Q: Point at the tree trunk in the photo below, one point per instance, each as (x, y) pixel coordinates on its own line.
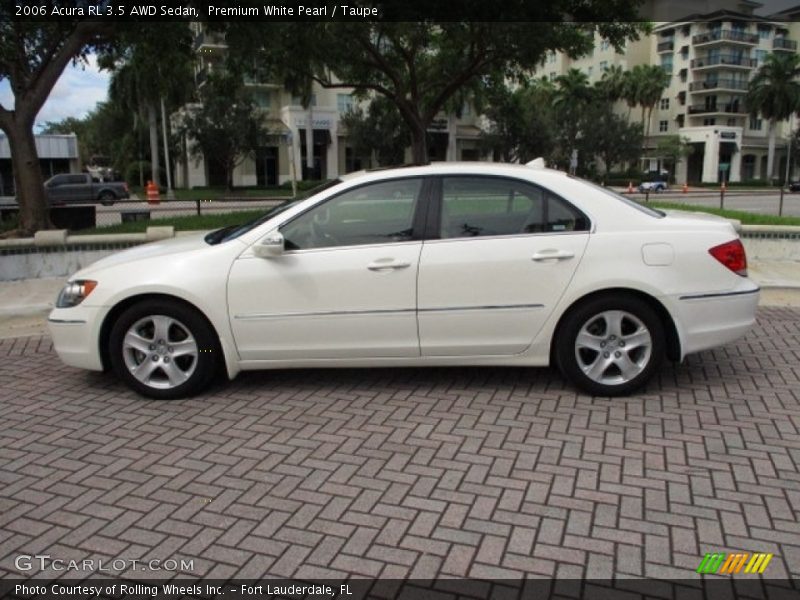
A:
(152, 118)
(33, 211)
(419, 144)
(771, 152)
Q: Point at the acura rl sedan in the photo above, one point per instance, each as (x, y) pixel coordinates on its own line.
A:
(446, 264)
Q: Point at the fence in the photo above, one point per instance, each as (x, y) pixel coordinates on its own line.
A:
(770, 201)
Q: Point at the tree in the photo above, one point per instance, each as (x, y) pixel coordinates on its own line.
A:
(774, 93)
(377, 131)
(150, 65)
(609, 136)
(612, 84)
(674, 148)
(419, 66)
(227, 127)
(33, 55)
(647, 85)
(521, 121)
(573, 95)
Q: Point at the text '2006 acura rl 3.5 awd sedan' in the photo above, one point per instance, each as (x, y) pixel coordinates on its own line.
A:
(447, 264)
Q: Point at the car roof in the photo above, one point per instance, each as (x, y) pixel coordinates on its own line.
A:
(456, 168)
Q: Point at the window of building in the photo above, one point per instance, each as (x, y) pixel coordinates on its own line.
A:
(666, 62)
(261, 98)
(760, 56)
(764, 31)
(344, 103)
(551, 57)
(589, 71)
(605, 45)
(604, 65)
(755, 124)
(663, 125)
(298, 100)
(664, 104)
(711, 121)
(552, 75)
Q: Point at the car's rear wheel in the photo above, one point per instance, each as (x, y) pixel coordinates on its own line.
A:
(164, 349)
(610, 346)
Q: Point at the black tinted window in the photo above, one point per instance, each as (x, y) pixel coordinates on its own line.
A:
(486, 206)
(376, 213)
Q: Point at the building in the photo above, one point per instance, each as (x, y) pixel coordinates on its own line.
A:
(57, 154)
(284, 155)
(711, 57)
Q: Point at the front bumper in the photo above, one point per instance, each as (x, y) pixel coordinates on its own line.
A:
(711, 320)
(76, 334)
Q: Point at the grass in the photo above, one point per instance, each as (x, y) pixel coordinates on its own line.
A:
(189, 223)
(747, 218)
(215, 193)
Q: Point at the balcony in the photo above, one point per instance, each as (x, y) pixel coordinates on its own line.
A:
(725, 35)
(667, 46)
(729, 60)
(782, 44)
(206, 38)
(730, 109)
(718, 84)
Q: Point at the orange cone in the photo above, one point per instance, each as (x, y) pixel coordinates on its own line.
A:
(723, 187)
(685, 188)
(630, 187)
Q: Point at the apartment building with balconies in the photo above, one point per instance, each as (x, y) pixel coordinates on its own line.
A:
(711, 58)
(284, 155)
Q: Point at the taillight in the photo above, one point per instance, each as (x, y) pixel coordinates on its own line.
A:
(731, 254)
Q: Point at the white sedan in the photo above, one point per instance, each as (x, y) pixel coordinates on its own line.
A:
(448, 264)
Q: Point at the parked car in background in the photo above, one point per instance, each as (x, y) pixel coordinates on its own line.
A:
(794, 186)
(656, 186)
(83, 188)
(446, 264)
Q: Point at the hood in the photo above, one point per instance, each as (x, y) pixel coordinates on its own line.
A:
(168, 247)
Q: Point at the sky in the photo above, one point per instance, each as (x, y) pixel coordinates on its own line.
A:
(81, 87)
(77, 92)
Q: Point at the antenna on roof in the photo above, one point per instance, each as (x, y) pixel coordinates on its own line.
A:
(536, 163)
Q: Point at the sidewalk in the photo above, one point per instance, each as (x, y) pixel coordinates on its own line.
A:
(24, 304)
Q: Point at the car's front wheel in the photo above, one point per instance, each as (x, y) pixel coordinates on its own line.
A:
(164, 349)
(107, 199)
(610, 346)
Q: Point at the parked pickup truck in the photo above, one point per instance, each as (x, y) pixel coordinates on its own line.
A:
(82, 188)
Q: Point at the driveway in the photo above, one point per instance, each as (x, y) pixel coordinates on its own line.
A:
(483, 472)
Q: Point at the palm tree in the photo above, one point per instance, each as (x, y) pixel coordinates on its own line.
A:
(652, 80)
(774, 93)
(612, 84)
(153, 66)
(572, 94)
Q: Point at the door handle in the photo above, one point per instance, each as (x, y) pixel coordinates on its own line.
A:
(387, 264)
(552, 254)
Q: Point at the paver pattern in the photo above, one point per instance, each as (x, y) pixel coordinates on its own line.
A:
(476, 472)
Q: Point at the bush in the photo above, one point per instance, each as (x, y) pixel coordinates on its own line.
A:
(132, 172)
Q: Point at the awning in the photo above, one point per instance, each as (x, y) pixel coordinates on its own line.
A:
(468, 131)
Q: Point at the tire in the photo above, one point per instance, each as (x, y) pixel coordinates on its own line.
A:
(622, 363)
(107, 198)
(185, 363)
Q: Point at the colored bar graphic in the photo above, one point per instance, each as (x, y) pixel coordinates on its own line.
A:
(731, 563)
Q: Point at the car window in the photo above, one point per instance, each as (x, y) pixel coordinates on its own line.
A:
(483, 206)
(376, 213)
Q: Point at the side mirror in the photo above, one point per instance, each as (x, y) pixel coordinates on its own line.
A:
(270, 246)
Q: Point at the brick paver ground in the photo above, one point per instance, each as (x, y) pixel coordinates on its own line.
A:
(409, 472)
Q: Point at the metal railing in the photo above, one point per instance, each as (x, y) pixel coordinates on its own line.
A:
(722, 83)
(699, 109)
(731, 60)
(726, 35)
(668, 46)
(783, 44)
(769, 201)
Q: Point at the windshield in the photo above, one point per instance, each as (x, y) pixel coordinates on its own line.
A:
(641, 207)
(233, 231)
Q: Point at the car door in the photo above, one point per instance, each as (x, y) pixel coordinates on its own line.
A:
(346, 284)
(505, 252)
(58, 189)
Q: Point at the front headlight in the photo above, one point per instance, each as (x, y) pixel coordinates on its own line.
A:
(75, 292)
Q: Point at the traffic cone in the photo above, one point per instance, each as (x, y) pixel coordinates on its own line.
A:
(723, 187)
(630, 187)
(685, 188)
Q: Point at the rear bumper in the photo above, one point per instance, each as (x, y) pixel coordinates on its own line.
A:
(711, 320)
